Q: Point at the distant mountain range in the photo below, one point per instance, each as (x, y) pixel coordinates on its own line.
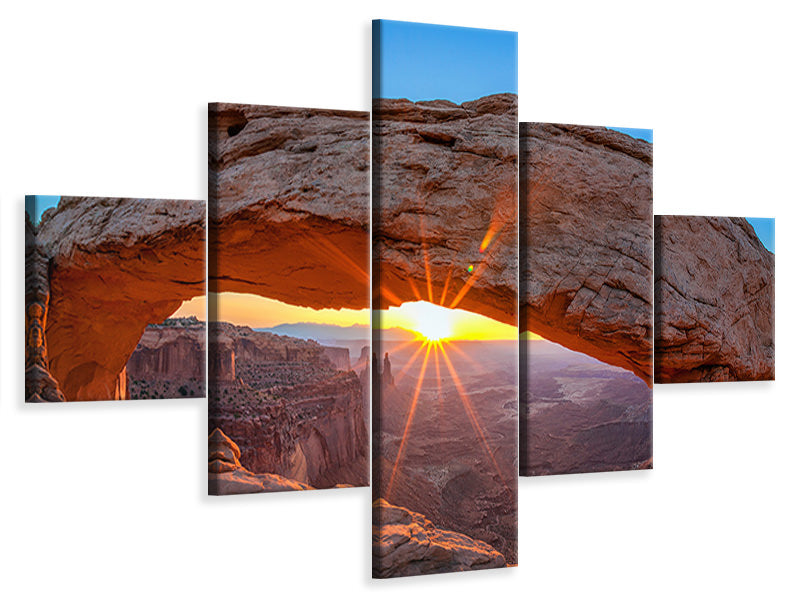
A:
(324, 332)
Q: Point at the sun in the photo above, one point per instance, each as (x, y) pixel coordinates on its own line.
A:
(431, 321)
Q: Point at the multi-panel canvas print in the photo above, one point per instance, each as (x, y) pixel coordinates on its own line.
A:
(444, 282)
(109, 284)
(586, 299)
(714, 299)
(288, 298)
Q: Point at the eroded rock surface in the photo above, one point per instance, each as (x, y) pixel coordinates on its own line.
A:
(40, 386)
(587, 242)
(289, 204)
(715, 301)
(446, 198)
(169, 360)
(116, 264)
(406, 543)
(226, 475)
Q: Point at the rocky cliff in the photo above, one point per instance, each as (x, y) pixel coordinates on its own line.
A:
(587, 242)
(406, 543)
(338, 357)
(445, 194)
(289, 409)
(715, 301)
(226, 475)
(169, 360)
(115, 265)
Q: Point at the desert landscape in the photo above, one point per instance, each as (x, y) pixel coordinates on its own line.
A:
(295, 408)
(288, 239)
(98, 272)
(715, 300)
(586, 299)
(444, 269)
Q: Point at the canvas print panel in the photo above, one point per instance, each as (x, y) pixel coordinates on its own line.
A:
(108, 283)
(715, 299)
(445, 298)
(586, 299)
(288, 298)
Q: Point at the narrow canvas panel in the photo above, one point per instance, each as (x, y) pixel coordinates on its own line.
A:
(715, 299)
(288, 298)
(108, 282)
(445, 359)
(586, 298)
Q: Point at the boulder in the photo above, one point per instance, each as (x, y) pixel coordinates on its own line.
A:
(227, 476)
(406, 543)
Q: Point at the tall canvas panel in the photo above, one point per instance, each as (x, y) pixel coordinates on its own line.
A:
(715, 299)
(288, 299)
(109, 289)
(586, 316)
(444, 282)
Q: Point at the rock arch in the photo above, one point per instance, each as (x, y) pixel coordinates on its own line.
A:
(301, 236)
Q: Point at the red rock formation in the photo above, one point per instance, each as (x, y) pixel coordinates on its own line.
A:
(227, 476)
(115, 265)
(406, 543)
(339, 357)
(587, 242)
(446, 181)
(169, 360)
(289, 204)
(715, 301)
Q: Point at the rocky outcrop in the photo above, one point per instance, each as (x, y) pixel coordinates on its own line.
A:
(40, 386)
(587, 242)
(115, 265)
(715, 301)
(174, 349)
(227, 476)
(338, 357)
(386, 375)
(289, 204)
(445, 194)
(169, 360)
(406, 543)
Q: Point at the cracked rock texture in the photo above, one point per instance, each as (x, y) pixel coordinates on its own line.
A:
(587, 242)
(289, 204)
(715, 301)
(115, 265)
(445, 183)
(406, 543)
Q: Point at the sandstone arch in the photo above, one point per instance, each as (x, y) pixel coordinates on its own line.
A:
(297, 237)
(115, 265)
(445, 176)
(587, 272)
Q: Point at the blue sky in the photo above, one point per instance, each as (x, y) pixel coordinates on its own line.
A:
(36, 205)
(434, 62)
(765, 230)
(640, 134)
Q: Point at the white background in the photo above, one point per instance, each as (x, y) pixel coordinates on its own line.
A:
(108, 500)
